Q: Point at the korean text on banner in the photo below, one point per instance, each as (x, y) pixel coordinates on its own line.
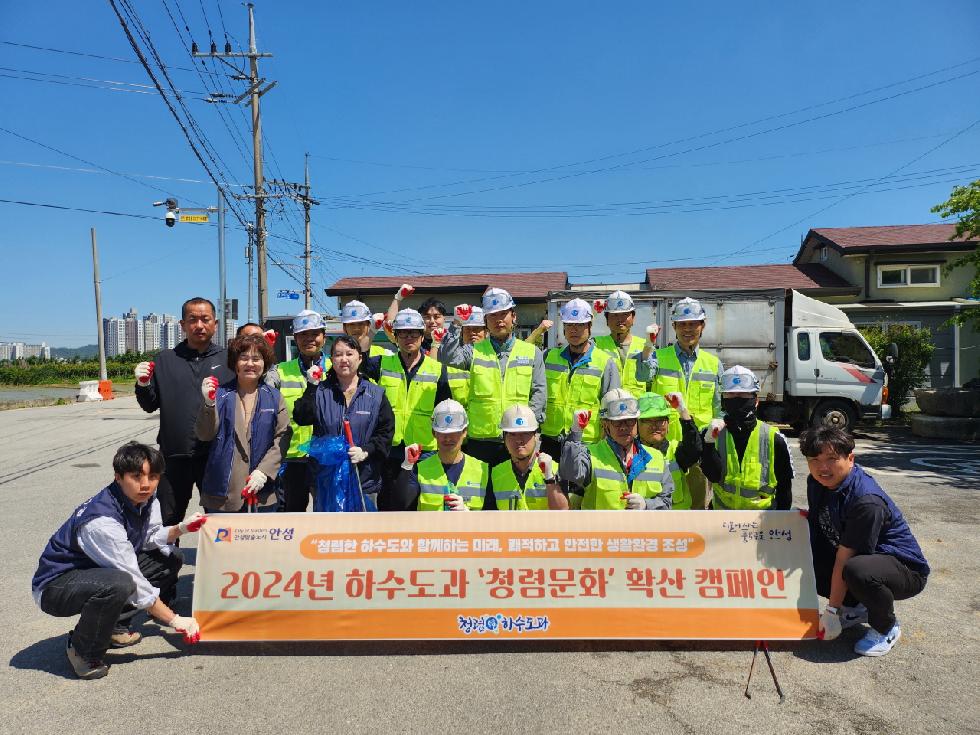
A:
(584, 574)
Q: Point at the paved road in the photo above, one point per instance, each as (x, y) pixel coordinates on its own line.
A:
(53, 458)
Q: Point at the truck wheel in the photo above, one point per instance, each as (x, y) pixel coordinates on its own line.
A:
(836, 413)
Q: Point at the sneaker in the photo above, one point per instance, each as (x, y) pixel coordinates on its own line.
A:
(876, 644)
(125, 638)
(85, 668)
(851, 616)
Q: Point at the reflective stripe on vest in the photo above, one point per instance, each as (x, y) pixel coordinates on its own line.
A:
(507, 490)
(698, 392)
(627, 367)
(751, 483)
(292, 387)
(412, 403)
(472, 484)
(489, 394)
(608, 483)
(570, 390)
(459, 384)
(681, 499)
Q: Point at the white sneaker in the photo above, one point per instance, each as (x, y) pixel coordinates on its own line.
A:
(876, 644)
(851, 616)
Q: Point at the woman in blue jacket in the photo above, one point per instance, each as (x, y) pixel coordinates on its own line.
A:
(344, 394)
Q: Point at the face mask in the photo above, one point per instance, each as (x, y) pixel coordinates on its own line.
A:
(739, 411)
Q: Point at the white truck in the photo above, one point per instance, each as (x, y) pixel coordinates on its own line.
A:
(814, 365)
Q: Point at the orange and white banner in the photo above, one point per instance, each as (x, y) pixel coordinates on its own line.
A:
(580, 574)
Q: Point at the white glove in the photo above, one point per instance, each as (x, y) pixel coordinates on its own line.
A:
(652, 331)
(187, 626)
(830, 626)
(377, 321)
(438, 335)
(713, 430)
(192, 524)
(455, 502)
(635, 502)
(403, 291)
(253, 483)
(547, 466)
(580, 420)
(599, 306)
(462, 313)
(357, 455)
(412, 454)
(143, 373)
(676, 401)
(315, 374)
(209, 388)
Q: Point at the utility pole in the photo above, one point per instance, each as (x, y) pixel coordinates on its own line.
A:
(222, 290)
(257, 87)
(301, 194)
(250, 228)
(103, 375)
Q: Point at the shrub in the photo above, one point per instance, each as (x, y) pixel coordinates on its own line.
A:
(915, 350)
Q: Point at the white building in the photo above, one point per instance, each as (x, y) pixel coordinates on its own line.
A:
(114, 334)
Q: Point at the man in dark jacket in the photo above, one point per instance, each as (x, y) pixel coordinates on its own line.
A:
(173, 384)
(864, 554)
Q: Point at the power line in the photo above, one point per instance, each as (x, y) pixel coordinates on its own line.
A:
(81, 53)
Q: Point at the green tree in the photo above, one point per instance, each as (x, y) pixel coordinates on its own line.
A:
(915, 349)
(964, 203)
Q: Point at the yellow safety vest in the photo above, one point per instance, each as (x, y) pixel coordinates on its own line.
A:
(412, 403)
(459, 384)
(608, 483)
(472, 484)
(292, 386)
(627, 367)
(508, 493)
(490, 395)
(681, 499)
(699, 392)
(569, 391)
(751, 483)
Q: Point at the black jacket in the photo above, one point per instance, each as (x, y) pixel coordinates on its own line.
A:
(712, 469)
(175, 389)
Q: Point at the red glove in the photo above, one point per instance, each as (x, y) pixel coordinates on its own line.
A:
(599, 306)
(438, 334)
(271, 335)
(144, 372)
(315, 374)
(804, 512)
(582, 418)
(714, 430)
(464, 312)
(377, 320)
(405, 290)
(209, 388)
(412, 454)
(193, 523)
(652, 331)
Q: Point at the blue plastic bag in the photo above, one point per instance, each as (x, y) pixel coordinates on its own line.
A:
(337, 487)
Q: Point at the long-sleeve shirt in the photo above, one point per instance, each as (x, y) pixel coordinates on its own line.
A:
(371, 368)
(104, 541)
(610, 373)
(646, 371)
(575, 468)
(712, 468)
(458, 355)
(688, 452)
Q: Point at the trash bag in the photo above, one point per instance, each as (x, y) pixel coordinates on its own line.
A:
(337, 486)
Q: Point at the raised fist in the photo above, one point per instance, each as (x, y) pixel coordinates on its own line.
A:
(143, 373)
(209, 388)
(377, 321)
(547, 465)
(599, 306)
(463, 312)
(405, 290)
(315, 374)
(652, 331)
(412, 454)
(676, 401)
(270, 336)
(438, 334)
(713, 430)
(582, 418)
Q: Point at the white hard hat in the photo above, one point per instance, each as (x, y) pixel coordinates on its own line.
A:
(619, 404)
(307, 321)
(475, 319)
(408, 319)
(619, 302)
(576, 311)
(449, 416)
(496, 299)
(687, 310)
(518, 418)
(738, 379)
(355, 311)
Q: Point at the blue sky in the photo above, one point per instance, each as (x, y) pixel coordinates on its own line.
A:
(449, 136)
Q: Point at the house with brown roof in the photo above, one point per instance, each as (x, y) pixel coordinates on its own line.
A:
(897, 273)
(530, 291)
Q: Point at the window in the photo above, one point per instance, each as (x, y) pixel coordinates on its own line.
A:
(844, 347)
(823, 253)
(803, 346)
(901, 276)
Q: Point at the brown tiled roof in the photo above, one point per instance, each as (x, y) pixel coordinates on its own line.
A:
(859, 239)
(805, 277)
(520, 285)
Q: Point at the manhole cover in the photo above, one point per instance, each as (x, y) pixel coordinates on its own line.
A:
(86, 464)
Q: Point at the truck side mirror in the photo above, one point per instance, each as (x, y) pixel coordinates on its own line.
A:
(891, 354)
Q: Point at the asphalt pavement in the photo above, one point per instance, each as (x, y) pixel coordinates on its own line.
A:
(53, 458)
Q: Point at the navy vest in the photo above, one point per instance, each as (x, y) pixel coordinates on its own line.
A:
(62, 553)
(217, 472)
(363, 416)
(896, 537)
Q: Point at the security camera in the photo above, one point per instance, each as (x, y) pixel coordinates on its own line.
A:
(170, 218)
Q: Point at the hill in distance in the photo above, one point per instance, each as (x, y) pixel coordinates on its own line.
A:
(84, 352)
